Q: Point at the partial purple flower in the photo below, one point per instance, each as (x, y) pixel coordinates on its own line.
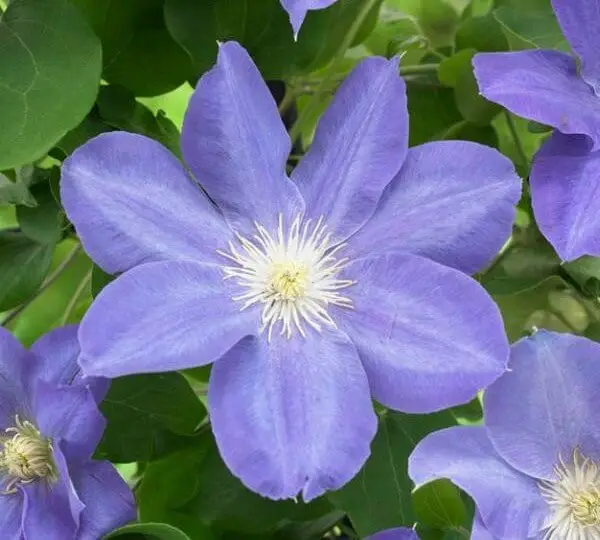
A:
(49, 486)
(534, 469)
(310, 294)
(400, 533)
(297, 10)
(548, 87)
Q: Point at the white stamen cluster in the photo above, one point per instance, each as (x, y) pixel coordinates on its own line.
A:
(574, 500)
(293, 274)
(25, 456)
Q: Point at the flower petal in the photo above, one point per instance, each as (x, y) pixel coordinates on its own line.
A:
(292, 415)
(580, 21)
(565, 181)
(69, 414)
(546, 405)
(479, 531)
(453, 202)
(236, 145)
(162, 317)
(297, 10)
(543, 86)
(11, 516)
(400, 533)
(508, 502)
(58, 352)
(15, 363)
(51, 511)
(360, 144)
(132, 202)
(108, 501)
(429, 336)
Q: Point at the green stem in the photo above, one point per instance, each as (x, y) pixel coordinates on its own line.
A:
(49, 281)
(513, 132)
(75, 298)
(339, 56)
(287, 101)
(419, 69)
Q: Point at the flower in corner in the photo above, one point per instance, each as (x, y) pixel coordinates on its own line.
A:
(297, 10)
(49, 486)
(309, 293)
(533, 469)
(547, 86)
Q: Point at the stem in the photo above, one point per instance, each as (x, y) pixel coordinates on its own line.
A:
(419, 69)
(339, 55)
(49, 281)
(287, 101)
(75, 298)
(513, 132)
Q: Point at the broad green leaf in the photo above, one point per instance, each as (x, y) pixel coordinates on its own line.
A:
(150, 531)
(397, 33)
(138, 50)
(148, 415)
(379, 497)
(15, 192)
(45, 222)
(439, 20)
(483, 34)
(23, 266)
(439, 505)
(530, 24)
(50, 62)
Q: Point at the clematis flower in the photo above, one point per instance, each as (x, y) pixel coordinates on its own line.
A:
(400, 533)
(547, 86)
(49, 486)
(533, 470)
(310, 293)
(297, 10)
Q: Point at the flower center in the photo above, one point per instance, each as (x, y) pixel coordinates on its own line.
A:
(574, 500)
(25, 455)
(293, 274)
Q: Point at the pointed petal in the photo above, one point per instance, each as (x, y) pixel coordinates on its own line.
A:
(508, 502)
(453, 202)
(297, 10)
(108, 500)
(400, 533)
(132, 202)
(236, 145)
(360, 144)
(545, 406)
(292, 415)
(543, 86)
(565, 181)
(11, 510)
(429, 336)
(162, 317)
(580, 21)
(15, 365)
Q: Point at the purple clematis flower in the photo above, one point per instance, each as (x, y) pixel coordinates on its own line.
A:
(534, 469)
(297, 10)
(310, 293)
(547, 86)
(49, 486)
(400, 533)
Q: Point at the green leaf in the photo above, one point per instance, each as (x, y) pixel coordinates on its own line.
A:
(45, 222)
(483, 34)
(439, 20)
(379, 497)
(138, 50)
(50, 62)
(146, 414)
(149, 531)
(530, 24)
(118, 108)
(16, 192)
(439, 505)
(23, 266)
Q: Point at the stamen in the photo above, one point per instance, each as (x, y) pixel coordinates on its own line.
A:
(293, 274)
(25, 456)
(574, 500)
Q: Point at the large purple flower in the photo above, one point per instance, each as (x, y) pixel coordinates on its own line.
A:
(547, 86)
(534, 469)
(311, 293)
(49, 486)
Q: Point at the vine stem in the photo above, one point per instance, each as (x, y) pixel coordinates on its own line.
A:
(339, 56)
(75, 298)
(49, 281)
(513, 133)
